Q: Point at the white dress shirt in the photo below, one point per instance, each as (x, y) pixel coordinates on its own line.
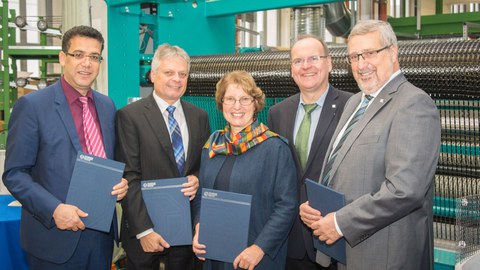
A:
(180, 117)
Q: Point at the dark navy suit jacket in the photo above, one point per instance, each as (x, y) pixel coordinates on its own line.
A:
(267, 172)
(41, 150)
(281, 119)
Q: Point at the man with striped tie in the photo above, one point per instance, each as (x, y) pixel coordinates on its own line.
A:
(46, 130)
(159, 136)
(382, 157)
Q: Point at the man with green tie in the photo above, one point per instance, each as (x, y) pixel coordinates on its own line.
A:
(308, 120)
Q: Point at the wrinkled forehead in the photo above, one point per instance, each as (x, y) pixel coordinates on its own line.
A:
(364, 42)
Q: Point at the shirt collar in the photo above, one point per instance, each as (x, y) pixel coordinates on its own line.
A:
(320, 101)
(71, 94)
(163, 105)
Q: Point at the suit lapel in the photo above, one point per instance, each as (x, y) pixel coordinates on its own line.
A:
(325, 120)
(192, 126)
(290, 115)
(63, 110)
(382, 99)
(213, 167)
(157, 124)
(347, 112)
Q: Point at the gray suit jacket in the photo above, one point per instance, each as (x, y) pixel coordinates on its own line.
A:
(144, 145)
(281, 119)
(386, 169)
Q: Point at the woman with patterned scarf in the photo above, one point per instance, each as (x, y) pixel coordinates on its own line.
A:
(246, 157)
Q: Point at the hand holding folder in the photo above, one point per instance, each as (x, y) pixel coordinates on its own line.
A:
(326, 200)
(169, 209)
(224, 224)
(90, 189)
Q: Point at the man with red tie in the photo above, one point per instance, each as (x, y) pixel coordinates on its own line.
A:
(46, 130)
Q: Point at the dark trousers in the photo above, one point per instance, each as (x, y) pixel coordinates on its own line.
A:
(174, 258)
(306, 264)
(94, 252)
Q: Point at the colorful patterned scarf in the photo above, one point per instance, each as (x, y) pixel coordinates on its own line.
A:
(220, 142)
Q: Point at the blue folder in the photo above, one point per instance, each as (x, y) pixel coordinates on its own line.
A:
(169, 209)
(90, 189)
(326, 200)
(224, 224)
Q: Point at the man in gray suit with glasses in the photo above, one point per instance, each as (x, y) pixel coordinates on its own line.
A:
(383, 157)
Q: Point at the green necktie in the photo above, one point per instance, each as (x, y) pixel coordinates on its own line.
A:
(301, 141)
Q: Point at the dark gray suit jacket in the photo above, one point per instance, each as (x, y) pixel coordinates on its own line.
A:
(281, 119)
(144, 145)
(386, 168)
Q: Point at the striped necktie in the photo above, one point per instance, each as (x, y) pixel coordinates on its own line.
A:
(177, 142)
(93, 137)
(358, 114)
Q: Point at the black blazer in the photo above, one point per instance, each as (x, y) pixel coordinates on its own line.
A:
(143, 143)
(281, 119)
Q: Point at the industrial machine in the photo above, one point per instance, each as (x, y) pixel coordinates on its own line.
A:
(446, 68)
(442, 57)
(13, 83)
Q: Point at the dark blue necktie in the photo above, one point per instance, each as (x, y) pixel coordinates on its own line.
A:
(177, 142)
(358, 114)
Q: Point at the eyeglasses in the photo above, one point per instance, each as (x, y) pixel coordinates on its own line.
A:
(244, 101)
(355, 57)
(81, 56)
(314, 59)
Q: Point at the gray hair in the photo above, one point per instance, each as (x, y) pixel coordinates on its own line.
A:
(387, 35)
(166, 51)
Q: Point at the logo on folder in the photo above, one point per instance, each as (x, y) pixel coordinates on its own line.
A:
(210, 194)
(86, 158)
(149, 184)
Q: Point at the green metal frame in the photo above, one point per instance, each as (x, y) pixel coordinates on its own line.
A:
(435, 25)
(444, 259)
(229, 7)
(11, 53)
(203, 28)
(438, 7)
(5, 98)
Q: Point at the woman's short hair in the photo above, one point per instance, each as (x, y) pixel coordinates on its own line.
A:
(246, 82)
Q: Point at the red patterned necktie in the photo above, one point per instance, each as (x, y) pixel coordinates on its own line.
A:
(93, 138)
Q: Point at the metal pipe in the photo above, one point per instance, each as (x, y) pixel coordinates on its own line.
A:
(418, 13)
(443, 68)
